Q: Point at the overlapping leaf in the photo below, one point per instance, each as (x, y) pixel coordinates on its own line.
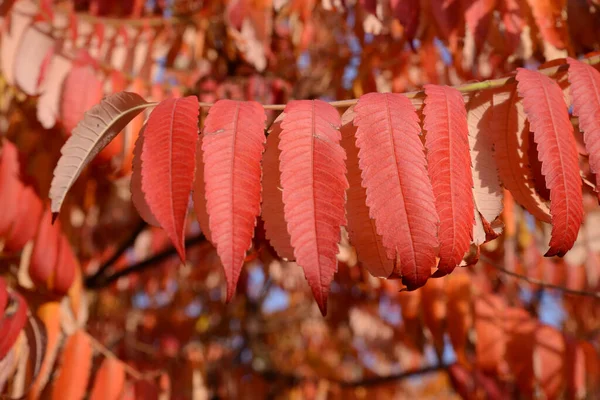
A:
(232, 145)
(549, 120)
(478, 14)
(93, 133)
(199, 194)
(487, 192)
(449, 164)
(12, 321)
(49, 314)
(82, 89)
(585, 91)
(169, 159)
(511, 146)
(361, 227)
(314, 184)
(138, 198)
(272, 201)
(399, 195)
(10, 184)
(26, 218)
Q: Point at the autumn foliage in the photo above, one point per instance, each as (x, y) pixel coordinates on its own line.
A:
(442, 212)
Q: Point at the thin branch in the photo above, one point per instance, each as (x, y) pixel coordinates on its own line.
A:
(117, 254)
(134, 373)
(144, 264)
(538, 282)
(293, 380)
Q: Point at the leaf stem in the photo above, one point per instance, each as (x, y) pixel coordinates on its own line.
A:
(539, 282)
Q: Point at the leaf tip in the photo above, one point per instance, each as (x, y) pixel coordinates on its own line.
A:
(323, 306)
(553, 251)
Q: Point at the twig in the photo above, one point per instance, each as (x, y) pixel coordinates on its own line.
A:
(117, 254)
(292, 380)
(538, 282)
(144, 264)
(134, 373)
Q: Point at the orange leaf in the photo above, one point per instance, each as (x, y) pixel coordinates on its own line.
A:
(458, 293)
(74, 372)
(110, 380)
(49, 313)
(489, 330)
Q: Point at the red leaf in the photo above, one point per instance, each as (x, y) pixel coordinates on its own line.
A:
(449, 163)
(511, 146)
(137, 195)
(585, 92)
(27, 219)
(74, 372)
(64, 271)
(199, 195)
(272, 201)
(314, 185)
(399, 194)
(408, 13)
(169, 158)
(232, 146)
(478, 14)
(110, 380)
(361, 227)
(45, 250)
(81, 91)
(10, 184)
(447, 14)
(548, 17)
(512, 18)
(3, 297)
(44, 68)
(12, 322)
(549, 120)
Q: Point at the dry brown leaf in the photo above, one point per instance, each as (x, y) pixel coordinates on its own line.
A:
(74, 373)
(99, 126)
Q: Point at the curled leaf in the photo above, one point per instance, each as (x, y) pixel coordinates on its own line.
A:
(99, 126)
